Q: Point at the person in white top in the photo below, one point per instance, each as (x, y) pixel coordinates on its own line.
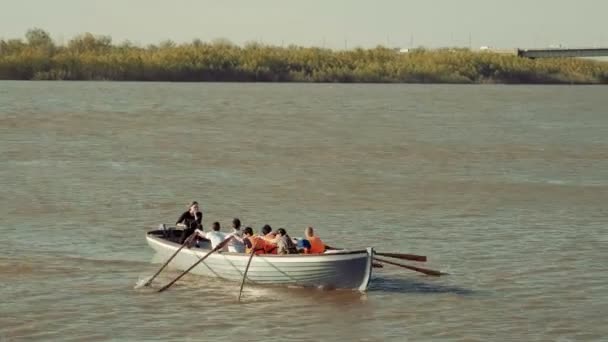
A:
(236, 244)
(215, 236)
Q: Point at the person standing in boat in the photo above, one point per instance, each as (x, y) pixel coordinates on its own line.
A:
(191, 219)
(236, 244)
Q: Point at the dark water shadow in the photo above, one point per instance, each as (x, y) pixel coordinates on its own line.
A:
(408, 285)
(226, 291)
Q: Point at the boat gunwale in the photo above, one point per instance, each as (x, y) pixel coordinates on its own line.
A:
(166, 242)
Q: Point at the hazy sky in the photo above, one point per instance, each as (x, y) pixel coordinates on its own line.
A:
(366, 23)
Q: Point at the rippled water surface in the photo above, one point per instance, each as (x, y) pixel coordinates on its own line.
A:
(504, 187)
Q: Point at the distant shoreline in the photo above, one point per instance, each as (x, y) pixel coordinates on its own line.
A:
(95, 58)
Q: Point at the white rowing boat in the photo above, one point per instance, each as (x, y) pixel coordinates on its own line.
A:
(341, 270)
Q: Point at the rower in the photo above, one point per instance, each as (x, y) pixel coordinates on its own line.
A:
(236, 244)
(215, 236)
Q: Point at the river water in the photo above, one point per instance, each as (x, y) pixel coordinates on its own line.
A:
(503, 187)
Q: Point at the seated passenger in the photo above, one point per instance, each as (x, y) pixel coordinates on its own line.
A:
(303, 246)
(251, 241)
(268, 234)
(284, 243)
(270, 238)
(316, 244)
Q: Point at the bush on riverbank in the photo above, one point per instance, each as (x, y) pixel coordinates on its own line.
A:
(89, 57)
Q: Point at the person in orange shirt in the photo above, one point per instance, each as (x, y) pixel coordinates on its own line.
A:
(270, 238)
(255, 242)
(316, 244)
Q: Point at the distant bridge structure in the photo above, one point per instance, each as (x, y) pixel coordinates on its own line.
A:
(562, 52)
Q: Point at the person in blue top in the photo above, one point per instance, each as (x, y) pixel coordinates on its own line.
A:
(303, 245)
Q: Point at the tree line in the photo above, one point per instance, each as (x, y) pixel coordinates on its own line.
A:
(92, 57)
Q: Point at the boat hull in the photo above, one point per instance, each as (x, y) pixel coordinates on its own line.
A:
(343, 270)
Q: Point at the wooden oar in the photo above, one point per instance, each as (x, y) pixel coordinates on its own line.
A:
(186, 242)
(412, 257)
(413, 268)
(245, 274)
(218, 247)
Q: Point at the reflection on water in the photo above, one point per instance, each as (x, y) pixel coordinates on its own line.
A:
(502, 187)
(410, 285)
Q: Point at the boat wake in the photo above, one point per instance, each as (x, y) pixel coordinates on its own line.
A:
(141, 282)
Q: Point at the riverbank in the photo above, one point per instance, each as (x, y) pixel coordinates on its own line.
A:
(90, 57)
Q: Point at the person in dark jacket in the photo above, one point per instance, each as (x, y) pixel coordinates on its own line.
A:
(190, 220)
